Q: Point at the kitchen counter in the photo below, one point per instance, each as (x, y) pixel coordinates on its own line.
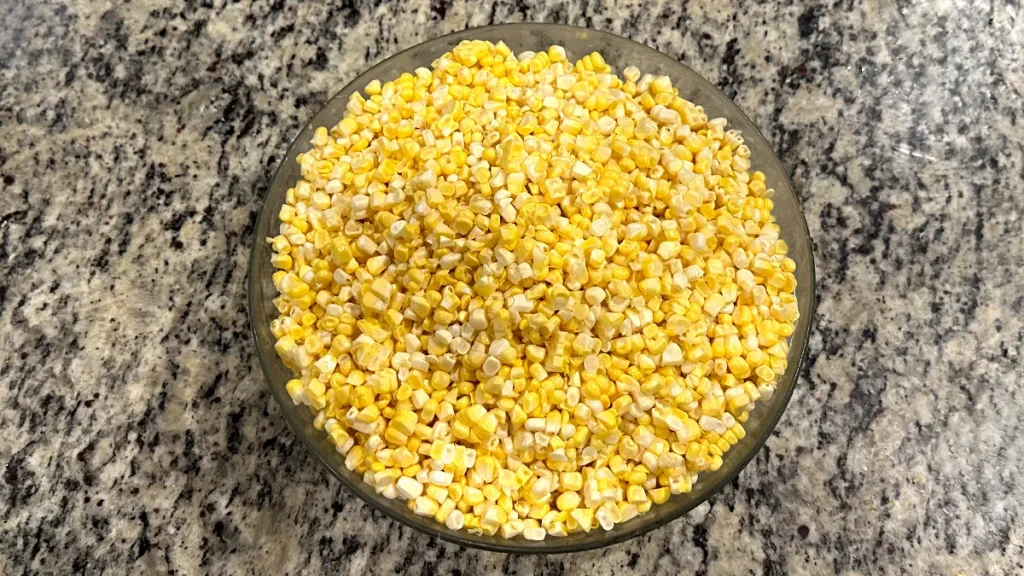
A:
(138, 436)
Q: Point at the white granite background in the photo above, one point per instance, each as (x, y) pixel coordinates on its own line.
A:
(137, 435)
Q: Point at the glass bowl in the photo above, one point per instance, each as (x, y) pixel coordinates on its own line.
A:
(619, 53)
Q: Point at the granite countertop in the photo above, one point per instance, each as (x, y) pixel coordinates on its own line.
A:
(137, 435)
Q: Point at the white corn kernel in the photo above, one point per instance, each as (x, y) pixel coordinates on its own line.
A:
(408, 488)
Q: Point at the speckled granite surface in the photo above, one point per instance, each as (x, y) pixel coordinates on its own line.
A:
(137, 436)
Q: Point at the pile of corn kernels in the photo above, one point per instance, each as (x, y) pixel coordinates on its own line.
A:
(527, 296)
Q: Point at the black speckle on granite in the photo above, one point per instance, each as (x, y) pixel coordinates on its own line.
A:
(700, 540)
(807, 22)
(138, 436)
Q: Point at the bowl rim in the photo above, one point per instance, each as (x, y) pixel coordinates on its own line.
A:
(496, 544)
